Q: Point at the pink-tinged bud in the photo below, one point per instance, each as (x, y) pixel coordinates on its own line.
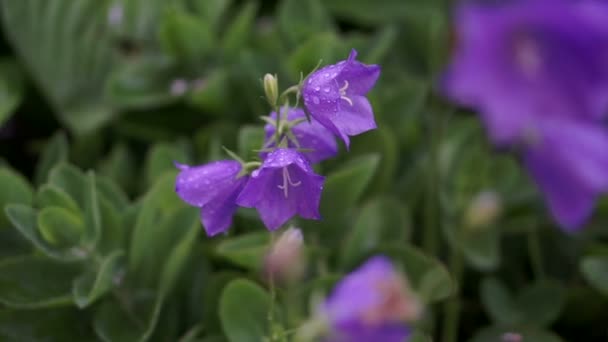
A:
(512, 337)
(397, 302)
(285, 261)
(483, 210)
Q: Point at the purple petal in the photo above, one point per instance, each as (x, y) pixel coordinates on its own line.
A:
(360, 77)
(216, 215)
(570, 166)
(199, 185)
(353, 119)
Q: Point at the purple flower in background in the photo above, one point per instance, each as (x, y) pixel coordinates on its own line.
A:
(371, 304)
(310, 135)
(527, 61)
(214, 188)
(335, 96)
(569, 162)
(285, 185)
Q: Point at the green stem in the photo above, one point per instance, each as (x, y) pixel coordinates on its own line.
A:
(430, 238)
(273, 294)
(535, 252)
(453, 307)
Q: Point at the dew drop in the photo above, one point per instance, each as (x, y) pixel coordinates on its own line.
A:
(315, 100)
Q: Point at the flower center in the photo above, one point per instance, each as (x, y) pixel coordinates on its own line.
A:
(343, 93)
(287, 182)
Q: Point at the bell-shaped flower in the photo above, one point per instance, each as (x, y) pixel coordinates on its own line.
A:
(213, 187)
(373, 303)
(569, 162)
(335, 96)
(316, 141)
(523, 62)
(285, 185)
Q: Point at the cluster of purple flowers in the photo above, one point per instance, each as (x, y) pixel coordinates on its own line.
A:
(537, 72)
(284, 184)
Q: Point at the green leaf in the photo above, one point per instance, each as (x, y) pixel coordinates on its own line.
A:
(92, 211)
(160, 159)
(378, 12)
(320, 47)
(24, 218)
(67, 48)
(499, 302)
(55, 152)
(239, 30)
(383, 219)
(525, 333)
(246, 325)
(61, 228)
(94, 283)
(52, 196)
(54, 324)
(212, 94)
(298, 20)
(251, 139)
(419, 336)
(595, 271)
(211, 11)
(11, 88)
(35, 282)
(481, 247)
(71, 180)
(246, 250)
(15, 189)
(120, 166)
(186, 36)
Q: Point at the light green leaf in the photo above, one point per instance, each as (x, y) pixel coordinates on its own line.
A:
(250, 325)
(298, 20)
(71, 180)
(246, 250)
(35, 282)
(60, 227)
(14, 189)
(250, 140)
(94, 283)
(52, 196)
(54, 153)
(11, 88)
(186, 37)
(240, 29)
(595, 271)
(160, 159)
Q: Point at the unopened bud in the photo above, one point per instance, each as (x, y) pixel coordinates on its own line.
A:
(285, 260)
(271, 88)
(483, 210)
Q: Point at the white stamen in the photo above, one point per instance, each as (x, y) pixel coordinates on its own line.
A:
(343, 93)
(287, 182)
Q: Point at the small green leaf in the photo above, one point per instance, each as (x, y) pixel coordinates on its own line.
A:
(94, 283)
(251, 139)
(298, 20)
(11, 88)
(246, 250)
(499, 302)
(244, 325)
(211, 11)
(212, 93)
(15, 189)
(71, 180)
(595, 271)
(186, 36)
(320, 47)
(54, 153)
(35, 282)
(61, 228)
(240, 29)
(52, 196)
(160, 159)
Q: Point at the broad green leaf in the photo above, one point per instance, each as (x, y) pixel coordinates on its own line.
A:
(320, 47)
(160, 159)
(244, 325)
(246, 250)
(178, 256)
(35, 282)
(595, 271)
(54, 324)
(71, 180)
(211, 11)
(52, 196)
(499, 302)
(250, 141)
(66, 47)
(523, 333)
(111, 192)
(481, 247)
(92, 212)
(11, 88)
(240, 29)
(120, 166)
(299, 20)
(186, 37)
(380, 45)
(212, 94)
(380, 220)
(94, 283)
(54, 153)
(24, 219)
(60, 227)
(15, 189)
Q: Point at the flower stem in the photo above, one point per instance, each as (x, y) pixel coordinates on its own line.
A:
(273, 295)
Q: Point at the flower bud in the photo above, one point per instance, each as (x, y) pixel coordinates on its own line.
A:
(285, 260)
(271, 88)
(483, 210)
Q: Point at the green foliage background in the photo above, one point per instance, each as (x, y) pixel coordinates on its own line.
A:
(99, 97)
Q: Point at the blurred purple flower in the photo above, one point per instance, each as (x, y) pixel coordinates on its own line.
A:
(283, 186)
(529, 61)
(569, 162)
(371, 304)
(310, 135)
(214, 188)
(335, 96)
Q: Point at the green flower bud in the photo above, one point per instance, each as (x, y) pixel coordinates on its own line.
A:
(271, 88)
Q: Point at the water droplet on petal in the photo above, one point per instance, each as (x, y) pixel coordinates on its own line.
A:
(315, 100)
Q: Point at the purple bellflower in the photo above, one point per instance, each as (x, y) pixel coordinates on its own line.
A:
(371, 304)
(310, 135)
(285, 185)
(335, 96)
(537, 72)
(213, 187)
(529, 61)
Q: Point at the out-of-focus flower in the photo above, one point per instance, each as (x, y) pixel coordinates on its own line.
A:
(115, 14)
(214, 188)
(335, 96)
(317, 141)
(373, 303)
(285, 259)
(528, 61)
(484, 208)
(569, 162)
(285, 185)
(179, 87)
